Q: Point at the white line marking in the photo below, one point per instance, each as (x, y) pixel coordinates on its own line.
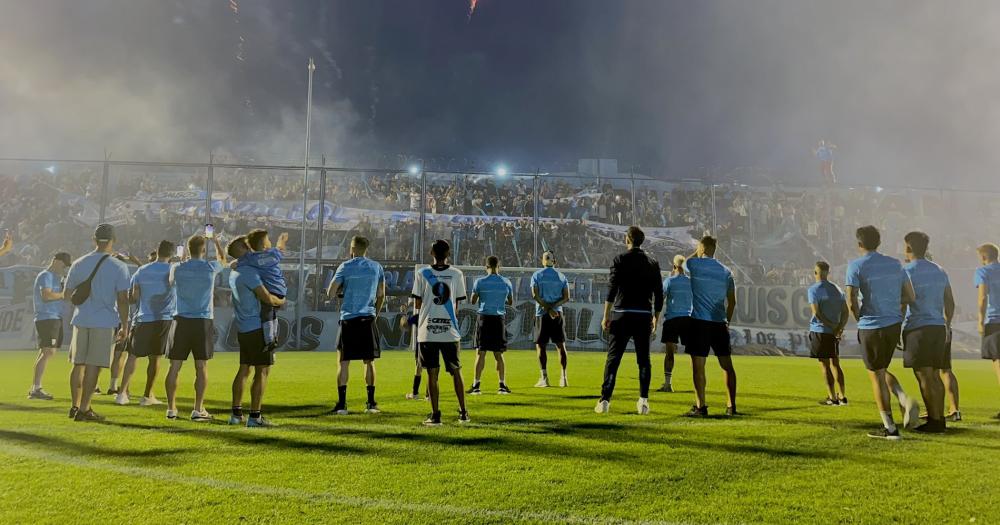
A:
(283, 492)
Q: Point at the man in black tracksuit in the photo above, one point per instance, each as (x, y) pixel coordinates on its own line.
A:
(635, 298)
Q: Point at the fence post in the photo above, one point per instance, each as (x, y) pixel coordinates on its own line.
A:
(209, 184)
(534, 214)
(105, 175)
(423, 216)
(317, 289)
(715, 217)
(635, 214)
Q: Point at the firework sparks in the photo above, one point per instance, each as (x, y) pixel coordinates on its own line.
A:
(472, 7)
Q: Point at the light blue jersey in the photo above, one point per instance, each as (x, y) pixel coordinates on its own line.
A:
(157, 300)
(359, 279)
(194, 281)
(929, 284)
(990, 276)
(100, 310)
(829, 300)
(677, 296)
(711, 283)
(550, 283)
(879, 279)
(246, 307)
(46, 310)
(493, 291)
(268, 266)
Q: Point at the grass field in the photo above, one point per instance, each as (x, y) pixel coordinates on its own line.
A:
(536, 456)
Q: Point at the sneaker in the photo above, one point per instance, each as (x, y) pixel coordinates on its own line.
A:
(642, 406)
(111, 392)
(697, 412)
(88, 416)
(842, 401)
(259, 422)
(665, 388)
(883, 433)
(731, 412)
(911, 413)
(954, 416)
(38, 393)
(463, 417)
(339, 410)
(97, 390)
(433, 420)
(200, 417)
(829, 402)
(542, 383)
(502, 389)
(150, 401)
(122, 399)
(236, 420)
(563, 382)
(932, 427)
(603, 406)
(371, 408)
(72, 412)
(474, 390)
(171, 414)
(414, 397)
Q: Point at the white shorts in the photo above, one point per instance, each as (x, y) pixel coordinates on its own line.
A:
(92, 346)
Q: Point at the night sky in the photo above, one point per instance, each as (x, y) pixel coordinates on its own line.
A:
(906, 89)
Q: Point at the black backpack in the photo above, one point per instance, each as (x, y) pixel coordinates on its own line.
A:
(82, 292)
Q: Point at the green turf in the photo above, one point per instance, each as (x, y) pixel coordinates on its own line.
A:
(535, 456)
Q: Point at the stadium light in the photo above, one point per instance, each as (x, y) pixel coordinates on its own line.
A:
(51, 169)
(878, 189)
(414, 169)
(502, 170)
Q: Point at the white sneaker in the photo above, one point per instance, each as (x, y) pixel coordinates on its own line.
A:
(149, 401)
(200, 417)
(235, 420)
(122, 399)
(542, 383)
(602, 407)
(563, 382)
(415, 397)
(642, 406)
(171, 414)
(911, 413)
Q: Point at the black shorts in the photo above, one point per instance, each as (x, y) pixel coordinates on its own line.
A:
(193, 336)
(50, 333)
(358, 340)
(431, 354)
(152, 338)
(706, 336)
(253, 350)
(676, 330)
(491, 333)
(549, 330)
(823, 346)
(878, 345)
(926, 347)
(991, 342)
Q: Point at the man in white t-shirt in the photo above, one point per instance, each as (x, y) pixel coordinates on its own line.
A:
(437, 291)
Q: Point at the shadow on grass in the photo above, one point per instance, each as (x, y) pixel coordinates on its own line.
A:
(76, 448)
(47, 407)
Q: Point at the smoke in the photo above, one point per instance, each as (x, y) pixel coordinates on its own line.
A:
(162, 80)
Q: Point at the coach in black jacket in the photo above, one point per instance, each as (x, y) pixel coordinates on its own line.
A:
(635, 298)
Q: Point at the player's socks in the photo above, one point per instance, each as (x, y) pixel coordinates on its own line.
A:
(668, 379)
(255, 414)
(114, 384)
(35, 387)
(371, 395)
(545, 374)
(342, 395)
(238, 411)
(416, 385)
(887, 421)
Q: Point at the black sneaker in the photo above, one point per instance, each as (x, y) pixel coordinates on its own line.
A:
(72, 412)
(433, 420)
(665, 388)
(883, 433)
(463, 416)
(932, 427)
(474, 390)
(97, 390)
(697, 412)
(372, 408)
(829, 402)
(731, 412)
(88, 416)
(112, 392)
(954, 416)
(843, 401)
(502, 389)
(38, 393)
(339, 410)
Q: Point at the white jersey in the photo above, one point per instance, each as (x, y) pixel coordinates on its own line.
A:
(439, 289)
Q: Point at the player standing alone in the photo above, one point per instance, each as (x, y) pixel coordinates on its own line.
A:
(676, 320)
(884, 287)
(635, 298)
(713, 293)
(829, 316)
(988, 282)
(360, 282)
(437, 291)
(550, 290)
(493, 293)
(48, 304)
